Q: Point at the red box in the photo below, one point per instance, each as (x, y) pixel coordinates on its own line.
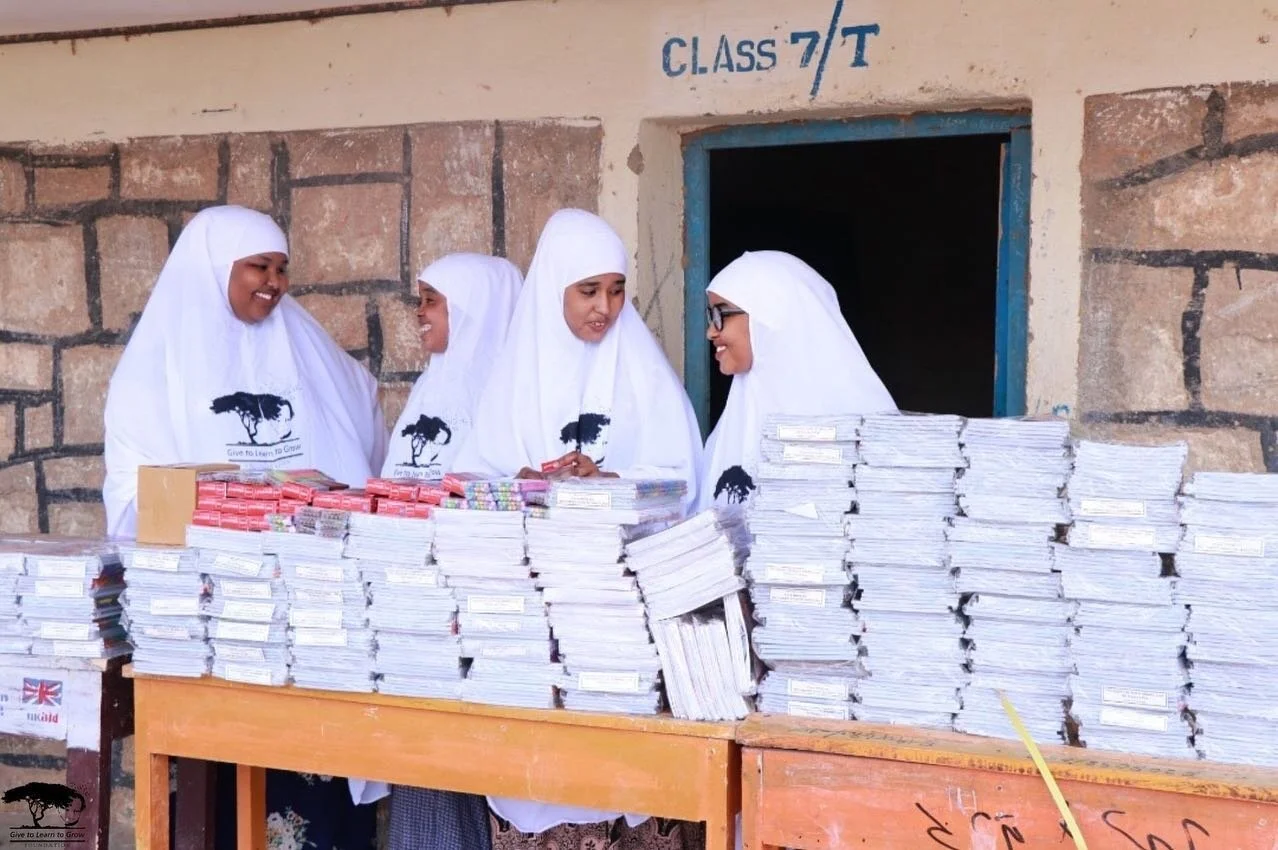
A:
(288, 507)
(261, 509)
(357, 501)
(419, 511)
(455, 482)
(298, 492)
(393, 507)
(330, 501)
(209, 503)
(238, 522)
(212, 519)
(210, 489)
(432, 494)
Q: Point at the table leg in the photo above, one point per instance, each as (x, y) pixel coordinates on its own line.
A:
(89, 771)
(196, 793)
(721, 819)
(751, 808)
(151, 797)
(250, 807)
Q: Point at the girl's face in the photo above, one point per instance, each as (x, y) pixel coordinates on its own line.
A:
(729, 333)
(256, 285)
(432, 319)
(591, 306)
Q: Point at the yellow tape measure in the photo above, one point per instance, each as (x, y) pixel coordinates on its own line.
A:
(1057, 796)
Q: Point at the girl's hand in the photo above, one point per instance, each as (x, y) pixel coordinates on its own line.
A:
(529, 474)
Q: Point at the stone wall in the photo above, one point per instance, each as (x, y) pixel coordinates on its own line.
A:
(85, 229)
(1180, 287)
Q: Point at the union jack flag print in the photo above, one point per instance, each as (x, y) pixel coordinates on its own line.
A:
(41, 692)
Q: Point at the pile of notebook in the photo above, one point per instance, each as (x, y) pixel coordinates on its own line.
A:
(799, 581)
(163, 610)
(906, 597)
(593, 601)
(1129, 684)
(70, 600)
(690, 576)
(1012, 498)
(1228, 566)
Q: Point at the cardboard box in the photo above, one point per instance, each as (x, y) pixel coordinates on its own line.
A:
(166, 500)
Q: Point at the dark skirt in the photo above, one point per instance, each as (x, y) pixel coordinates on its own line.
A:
(652, 834)
(304, 811)
(424, 819)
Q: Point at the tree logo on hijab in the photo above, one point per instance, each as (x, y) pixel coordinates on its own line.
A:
(585, 431)
(254, 409)
(735, 484)
(425, 432)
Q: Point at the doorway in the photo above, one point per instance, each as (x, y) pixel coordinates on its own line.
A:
(921, 226)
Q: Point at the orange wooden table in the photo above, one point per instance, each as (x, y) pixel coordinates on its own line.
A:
(813, 785)
(660, 766)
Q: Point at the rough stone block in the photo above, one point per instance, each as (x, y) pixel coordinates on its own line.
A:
(1131, 355)
(324, 152)
(8, 431)
(42, 288)
(21, 514)
(452, 191)
(249, 182)
(37, 429)
(77, 519)
(25, 745)
(86, 372)
(343, 316)
(66, 187)
(13, 186)
(1239, 358)
(131, 252)
(393, 397)
(80, 150)
(401, 339)
(74, 473)
(1226, 204)
(1122, 132)
(1210, 449)
(343, 233)
(26, 367)
(546, 166)
(183, 168)
(123, 817)
(1252, 110)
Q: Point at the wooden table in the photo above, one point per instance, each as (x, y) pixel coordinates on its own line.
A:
(812, 785)
(660, 766)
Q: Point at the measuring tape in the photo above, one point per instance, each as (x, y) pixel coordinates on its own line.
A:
(1057, 796)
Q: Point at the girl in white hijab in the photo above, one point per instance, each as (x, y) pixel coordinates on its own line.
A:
(225, 366)
(777, 329)
(581, 383)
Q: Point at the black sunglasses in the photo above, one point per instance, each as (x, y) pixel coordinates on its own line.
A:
(716, 313)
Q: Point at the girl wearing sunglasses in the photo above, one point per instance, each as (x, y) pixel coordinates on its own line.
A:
(777, 329)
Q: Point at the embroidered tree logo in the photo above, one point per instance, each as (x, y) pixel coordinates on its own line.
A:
(253, 409)
(42, 796)
(426, 431)
(584, 431)
(736, 483)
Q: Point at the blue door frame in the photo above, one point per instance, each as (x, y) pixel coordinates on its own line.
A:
(1010, 325)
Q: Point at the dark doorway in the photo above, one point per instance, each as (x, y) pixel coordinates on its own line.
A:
(907, 232)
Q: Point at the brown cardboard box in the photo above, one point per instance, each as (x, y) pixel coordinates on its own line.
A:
(166, 500)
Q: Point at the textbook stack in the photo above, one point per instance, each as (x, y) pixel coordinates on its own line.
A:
(70, 604)
(163, 611)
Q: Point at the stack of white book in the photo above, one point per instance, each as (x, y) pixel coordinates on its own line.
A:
(163, 611)
(70, 604)
(12, 568)
(906, 597)
(1129, 684)
(1228, 566)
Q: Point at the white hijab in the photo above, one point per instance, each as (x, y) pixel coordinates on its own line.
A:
(550, 392)
(198, 385)
(806, 362)
(480, 292)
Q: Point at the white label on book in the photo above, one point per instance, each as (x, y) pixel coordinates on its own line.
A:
(251, 632)
(1239, 547)
(794, 573)
(807, 510)
(59, 589)
(315, 618)
(251, 654)
(248, 675)
(66, 631)
(1114, 508)
(797, 708)
(166, 562)
(1128, 718)
(808, 433)
(1117, 535)
(495, 604)
(169, 606)
(236, 565)
(809, 598)
(245, 589)
(1133, 698)
(609, 683)
(816, 690)
(812, 454)
(237, 609)
(46, 568)
(319, 597)
(505, 650)
(319, 637)
(413, 578)
(77, 649)
(496, 626)
(320, 572)
(579, 499)
(166, 632)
